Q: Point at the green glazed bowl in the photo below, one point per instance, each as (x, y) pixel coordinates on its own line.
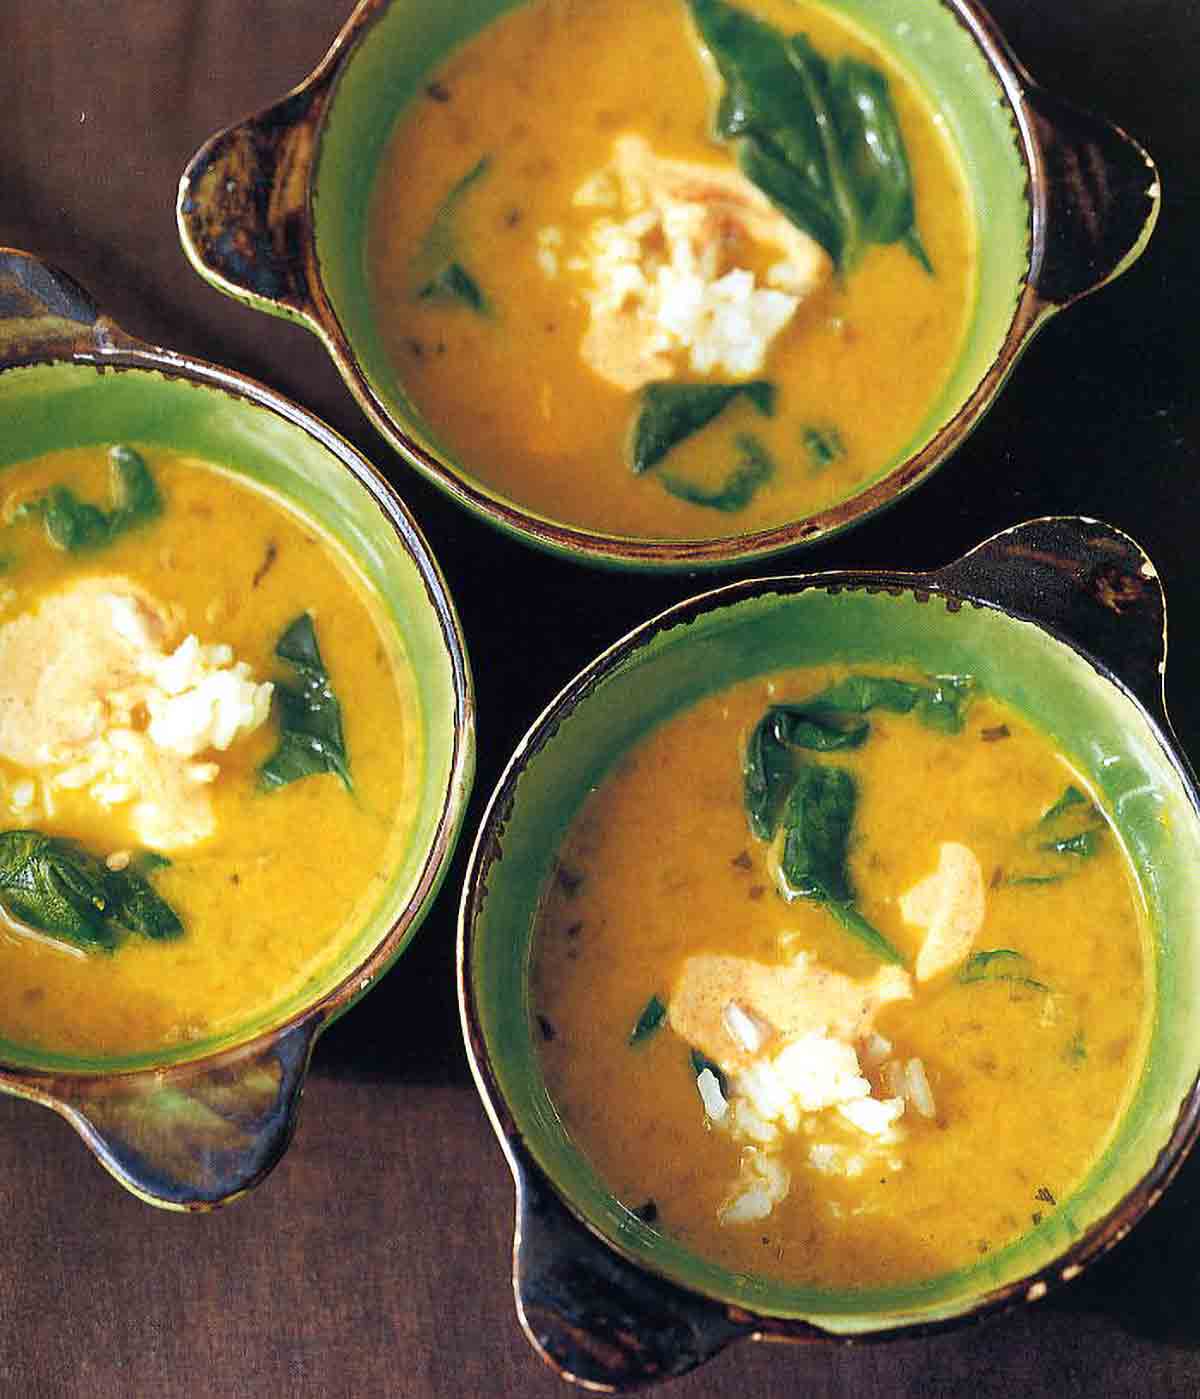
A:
(196, 1127)
(1064, 620)
(273, 211)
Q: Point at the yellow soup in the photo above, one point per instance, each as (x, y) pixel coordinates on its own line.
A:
(556, 230)
(136, 722)
(736, 1054)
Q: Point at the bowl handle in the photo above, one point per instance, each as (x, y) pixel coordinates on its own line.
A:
(243, 205)
(1102, 196)
(46, 314)
(597, 1319)
(1083, 579)
(198, 1135)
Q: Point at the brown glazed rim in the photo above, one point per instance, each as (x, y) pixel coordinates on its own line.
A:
(1024, 572)
(76, 333)
(1090, 159)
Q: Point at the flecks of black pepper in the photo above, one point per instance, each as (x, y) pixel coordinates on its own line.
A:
(439, 92)
(547, 1029)
(994, 735)
(743, 861)
(647, 1212)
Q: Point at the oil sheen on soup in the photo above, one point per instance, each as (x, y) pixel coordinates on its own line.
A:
(673, 269)
(841, 978)
(208, 752)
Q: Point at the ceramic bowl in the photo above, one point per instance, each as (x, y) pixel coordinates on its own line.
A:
(273, 211)
(1064, 620)
(195, 1127)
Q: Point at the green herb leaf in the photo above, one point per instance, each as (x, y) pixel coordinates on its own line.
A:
(829, 722)
(439, 274)
(669, 412)
(650, 1020)
(1073, 827)
(822, 141)
(79, 527)
(824, 446)
(739, 487)
(56, 886)
(454, 283)
(1071, 797)
(817, 823)
(135, 904)
(999, 964)
(310, 718)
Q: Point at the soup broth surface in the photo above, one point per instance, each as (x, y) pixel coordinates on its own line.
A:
(1030, 1039)
(490, 159)
(288, 877)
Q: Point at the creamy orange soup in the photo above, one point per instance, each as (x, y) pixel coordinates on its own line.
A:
(997, 1079)
(500, 163)
(269, 885)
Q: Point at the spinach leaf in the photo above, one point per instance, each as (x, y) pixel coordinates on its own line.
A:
(310, 718)
(650, 1020)
(1073, 827)
(999, 964)
(55, 885)
(875, 157)
(135, 904)
(78, 527)
(454, 283)
(829, 722)
(824, 446)
(439, 273)
(669, 412)
(739, 487)
(1071, 797)
(817, 822)
(822, 141)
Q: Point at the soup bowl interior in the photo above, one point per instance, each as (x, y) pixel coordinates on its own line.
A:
(388, 68)
(47, 407)
(750, 630)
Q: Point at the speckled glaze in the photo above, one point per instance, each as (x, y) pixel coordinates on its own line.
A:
(273, 210)
(196, 1127)
(1062, 619)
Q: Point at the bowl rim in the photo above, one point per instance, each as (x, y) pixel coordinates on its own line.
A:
(117, 352)
(525, 1163)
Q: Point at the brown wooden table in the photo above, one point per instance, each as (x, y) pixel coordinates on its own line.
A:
(375, 1260)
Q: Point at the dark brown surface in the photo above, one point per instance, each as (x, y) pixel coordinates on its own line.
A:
(375, 1260)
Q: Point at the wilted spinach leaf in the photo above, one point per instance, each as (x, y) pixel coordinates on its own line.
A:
(999, 964)
(136, 905)
(832, 720)
(824, 446)
(822, 141)
(817, 821)
(439, 272)
(55, 885)
(310, 718)
(669, 412)
(78, 526)
(650, 1020)
(1073, 827)
(738, 488)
